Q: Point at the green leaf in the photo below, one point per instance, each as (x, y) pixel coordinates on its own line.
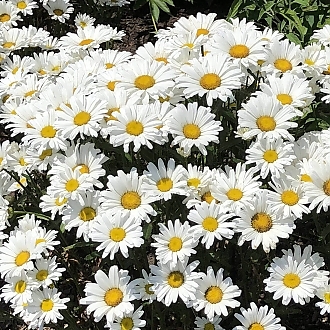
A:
(161, 4)
(304, 3)
(234, 9)
(154, 9)
(147, 230)
(292, 37)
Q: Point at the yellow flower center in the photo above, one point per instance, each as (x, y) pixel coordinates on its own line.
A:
(85, 42)
(30, 93)
(109, 114)
(283, 65)
(22, 258)
(164, 184)
(270, 156)
(191, 131)
(256, 326)
(202, 31)
(261, 222)
(207, 197)
(109, 65)
(189, 45)
(111, 85)
(239, 51)
(83, 168)
(309, 61)
(42, 72)
(134, 128)
(130, 200)
(20, 286)
(8, 44)
(148, 290)
(291, 280)
(56, 68)
(209, 326)
(15, 70)
(48, 132)
(58, 12)
(4, 18)
(210, 81)
(327, 297)
(113, 297)
(175, 244)
(213, 294)
(164, 99)
(234, 194)
(46, 305)
(1, 159)
(46, 153)
(327, 71)
(87, 214)
(210, 224)
(284, 98)
(39, 240)
(59, 202)
(326, 187)
(42, 275)
(266, 123)
(144, 82)
(126, 323)
(193, 182)
(162, 59)
(72, 185)
(117, 234)
(289, 197)
(306, 178)
(22, 161)
(81, 118)
(175, 279)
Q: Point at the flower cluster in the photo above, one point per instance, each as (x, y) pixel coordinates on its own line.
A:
(75, 109)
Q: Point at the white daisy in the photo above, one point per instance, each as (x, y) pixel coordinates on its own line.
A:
(203, 323)
(324, 294)
(143, 287)
(59, 9)
(129, 321)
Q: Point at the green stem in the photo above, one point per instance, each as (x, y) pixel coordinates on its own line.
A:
(38, 215)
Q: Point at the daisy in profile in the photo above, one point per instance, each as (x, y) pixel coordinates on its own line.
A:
(193, 126)
(313, 60)
(282, 56)
(235, 188)
(125, 195)
(83, 20)
(137, 124)
(46, 305)
(52, 204)
(291, 279)
(322, 35)
(203, 323)
(129, 321)
(262, 225)
(213, 76)
(174, 243)
(270, 156)
(146, 79)
(258, 318)
(265, 116)
(12, 39)
(81, 118)
(323, 293)
(59, 9)
(211, 223)
(153, 52)
(173, 281)
(143, 287)
(163, 181)
(215, 294)
(110, 296)
(116, 232)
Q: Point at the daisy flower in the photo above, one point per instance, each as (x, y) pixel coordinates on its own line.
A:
(164, 181)
(291, 279)
(46, 305)
(52, 204)
(215, 294)
(211, 223)
(81, 118)
(174, 243)
(146, 79)
(25, 6)
(153, 52)
(313, 60)
(265, 116)
(110, 296)
(324, 294)
(12, 39)
(82, 215)
(234, 188)
(83, 20)
(125, 195)
(116, 232)
(258, 318)
(173, 281)
(270, 156)
(135, 124)
(129, 321)
(213, 76)
(9, 15)
(261, 225)
(193, 126)
(322, 35)
(45, 272)
(59, 9)
(143, 287)
(203, 323)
